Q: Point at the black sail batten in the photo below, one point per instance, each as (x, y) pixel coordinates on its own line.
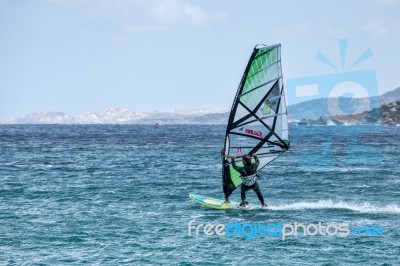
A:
(243, 119)
(263, 70)
(258, 119)
(261, 141)
(266, 83)
(252, 112)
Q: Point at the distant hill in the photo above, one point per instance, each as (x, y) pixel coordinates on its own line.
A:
(303, 112)
(317, 108)
(124, 116)
(388, 114)
(390, 96)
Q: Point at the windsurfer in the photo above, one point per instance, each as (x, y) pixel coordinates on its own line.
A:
(249, 177)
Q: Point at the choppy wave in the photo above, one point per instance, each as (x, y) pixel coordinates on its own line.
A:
(328, 204)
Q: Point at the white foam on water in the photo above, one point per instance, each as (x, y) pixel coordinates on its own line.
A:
(329, 204)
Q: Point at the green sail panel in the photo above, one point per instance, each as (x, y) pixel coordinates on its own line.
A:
(258, 119)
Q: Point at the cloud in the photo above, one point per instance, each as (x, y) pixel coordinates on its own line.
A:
(385, 2)
(376, 29)
(149, 15)
(175, 11)
(338, 32)
(167, 11)
(144, 28)
(198, 16)
(299, 28)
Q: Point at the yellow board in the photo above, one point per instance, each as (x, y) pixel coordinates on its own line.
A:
(219, 204)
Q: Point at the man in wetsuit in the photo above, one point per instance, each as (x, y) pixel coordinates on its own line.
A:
(249, 178)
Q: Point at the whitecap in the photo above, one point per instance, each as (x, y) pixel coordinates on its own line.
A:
(328, 204)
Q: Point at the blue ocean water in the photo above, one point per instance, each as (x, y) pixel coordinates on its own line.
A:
(118, 194)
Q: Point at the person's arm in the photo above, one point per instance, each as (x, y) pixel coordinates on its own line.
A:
(256, 159)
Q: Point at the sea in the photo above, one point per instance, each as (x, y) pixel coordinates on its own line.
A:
(118, 195)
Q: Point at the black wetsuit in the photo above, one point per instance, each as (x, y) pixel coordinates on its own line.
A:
(247, 170)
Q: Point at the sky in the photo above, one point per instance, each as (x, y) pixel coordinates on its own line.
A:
(79, 56)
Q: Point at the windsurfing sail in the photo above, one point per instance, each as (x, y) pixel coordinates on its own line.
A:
(258, 119)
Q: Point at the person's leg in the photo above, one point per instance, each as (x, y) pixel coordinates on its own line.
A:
(259, 194)
(243, 190)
